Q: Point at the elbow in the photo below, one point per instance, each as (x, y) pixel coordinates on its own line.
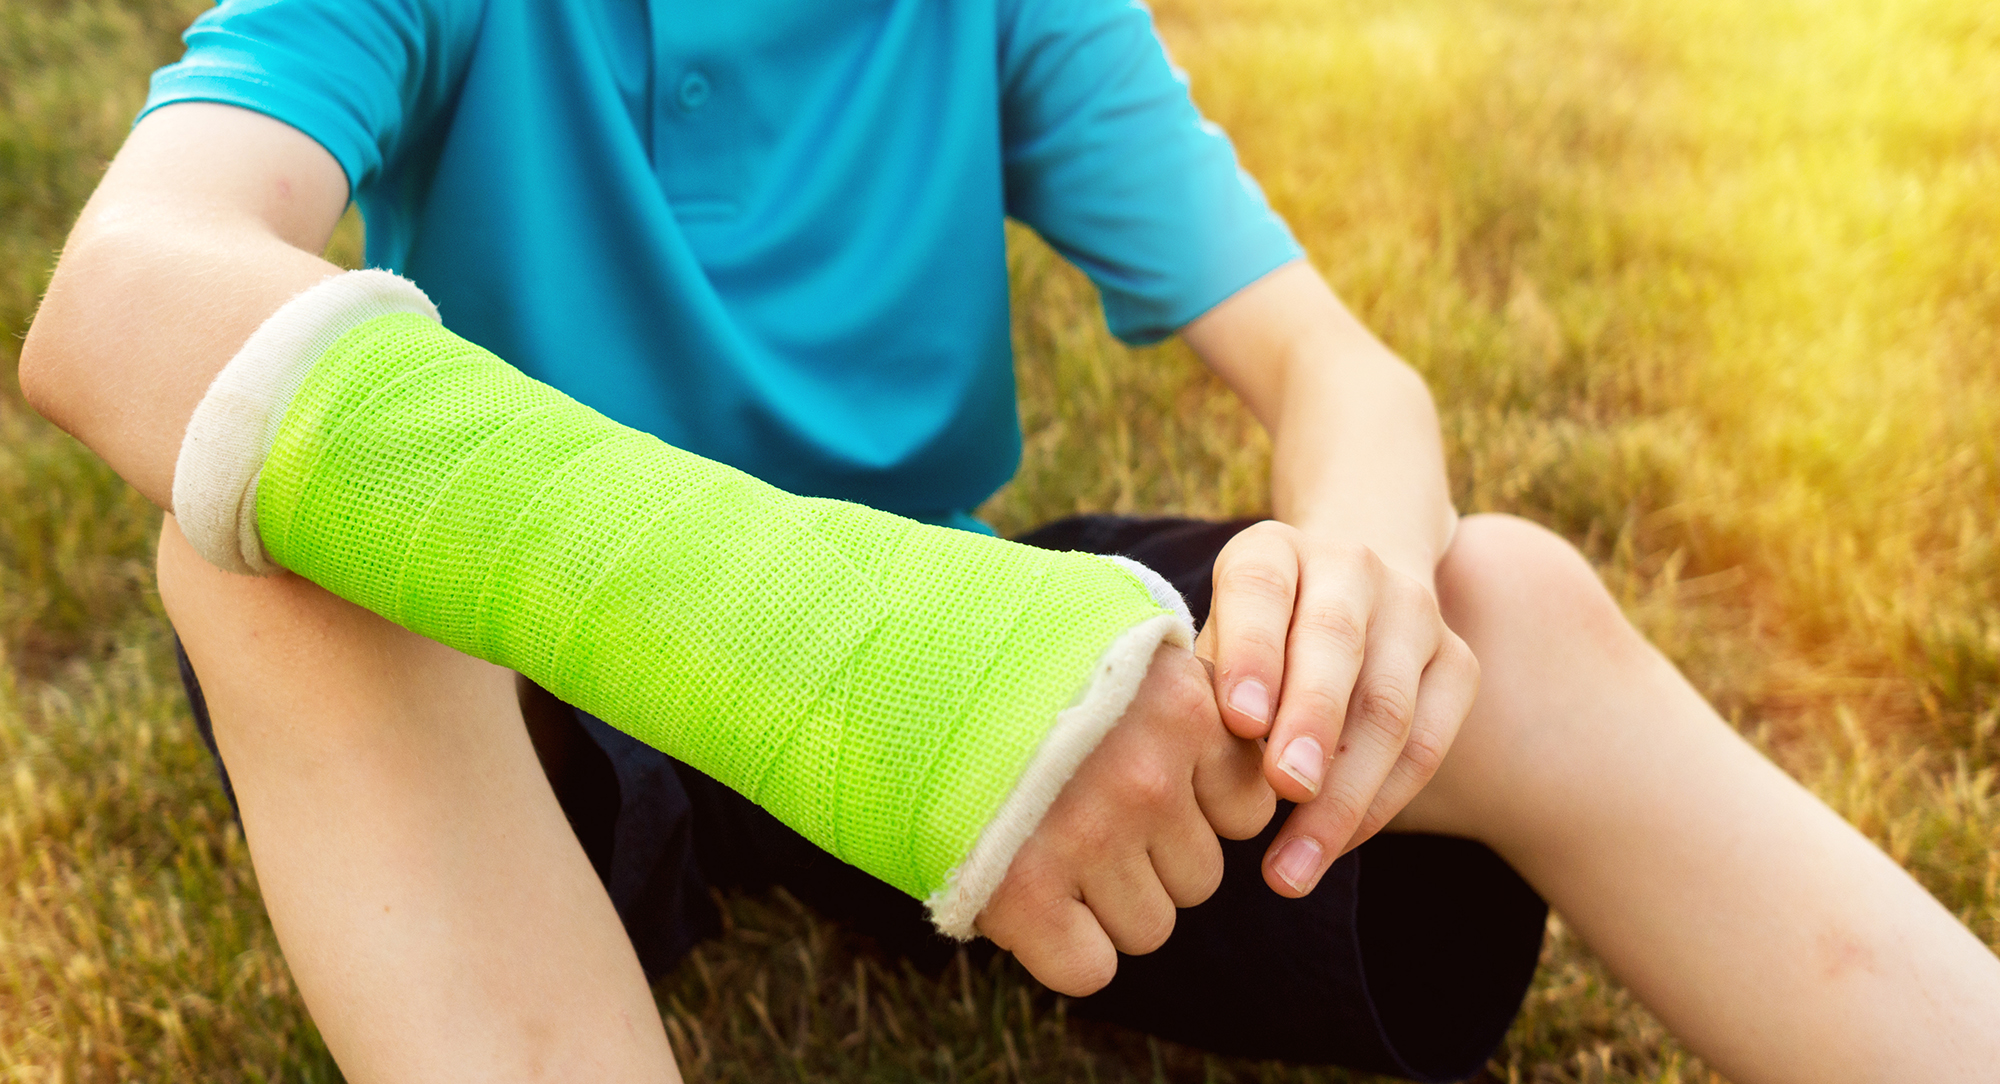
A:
(42, 362)
(55, 370)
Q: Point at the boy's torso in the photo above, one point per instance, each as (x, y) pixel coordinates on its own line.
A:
(769, 232)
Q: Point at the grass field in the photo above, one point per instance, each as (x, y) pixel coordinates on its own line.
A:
(1713, 288)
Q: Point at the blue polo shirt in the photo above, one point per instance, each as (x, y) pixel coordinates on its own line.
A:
(767, 231)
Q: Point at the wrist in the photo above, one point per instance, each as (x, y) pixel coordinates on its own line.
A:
(1414, 553)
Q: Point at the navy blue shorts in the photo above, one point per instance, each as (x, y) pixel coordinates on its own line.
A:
(1410, 958)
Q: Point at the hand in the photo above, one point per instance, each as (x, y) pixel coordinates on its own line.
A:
(1132, 836)
(1346, 666)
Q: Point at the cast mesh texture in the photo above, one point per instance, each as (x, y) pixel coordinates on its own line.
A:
(876, 683)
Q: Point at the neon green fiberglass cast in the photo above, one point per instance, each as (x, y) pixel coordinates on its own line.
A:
(876, 683)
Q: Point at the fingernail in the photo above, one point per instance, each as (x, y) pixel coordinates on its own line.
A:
(1304, 761)
(1251, 698)
(1298, 862)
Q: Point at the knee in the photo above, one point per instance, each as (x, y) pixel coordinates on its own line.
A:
(1518, 592)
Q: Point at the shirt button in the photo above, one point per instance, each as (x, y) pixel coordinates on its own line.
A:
(694, 91)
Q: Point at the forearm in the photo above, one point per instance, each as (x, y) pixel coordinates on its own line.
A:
(1324, 633)
(168, 271)
(435, 908)
(1356, 455)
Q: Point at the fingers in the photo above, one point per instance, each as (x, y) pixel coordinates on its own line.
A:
(1129, 838)
(1337, 623)
(1054, 935)
(1174, 722)
(1387, 752)
(1381, 713)
(1450, 684)
(1230, 789)
(1130, 903)
(1256, 585)
(1070, 942)
(1371, 688)
(1140, 793)
(1185, 859)
(1078, 896)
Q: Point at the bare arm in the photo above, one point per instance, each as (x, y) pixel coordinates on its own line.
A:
(1325, 634)
(1355, 454)
(208, 220)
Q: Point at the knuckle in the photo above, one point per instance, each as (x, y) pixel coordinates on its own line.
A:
(1021, 912)
(1416, 598)
(1149, 784)
(1030, 888)
(1045, 921)
(1334, 623)
(1341, 808)
(1188, 692)
(1317, 703)
(1193, 703)
(1256, 578)
(1352, 555)
(1091, 836)
(1257, 641)
(1386, 702)
(1343, 551)
(1424, 752)
(1150, 930)
(1078, 823)
(1263, 532)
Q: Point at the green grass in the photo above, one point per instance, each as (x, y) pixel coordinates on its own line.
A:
(1712, 288)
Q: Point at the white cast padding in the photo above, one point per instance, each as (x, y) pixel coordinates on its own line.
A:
(1164, 593)
(222, 454)
(1078, 728)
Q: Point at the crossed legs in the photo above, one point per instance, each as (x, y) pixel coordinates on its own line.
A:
(1765, 932)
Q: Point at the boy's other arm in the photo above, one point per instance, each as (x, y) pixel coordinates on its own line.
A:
(1325, 632)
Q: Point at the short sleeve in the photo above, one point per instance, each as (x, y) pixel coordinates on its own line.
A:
(1108, 159)
(358, 76)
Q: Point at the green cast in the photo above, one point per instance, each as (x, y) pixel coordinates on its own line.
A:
(876, 683)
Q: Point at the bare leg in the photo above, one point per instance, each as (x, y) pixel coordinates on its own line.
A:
(438, 914)
(1770, 936)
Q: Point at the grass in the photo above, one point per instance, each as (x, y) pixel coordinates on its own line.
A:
(1712, 288)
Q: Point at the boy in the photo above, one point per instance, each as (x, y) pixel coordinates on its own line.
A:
(773, 237)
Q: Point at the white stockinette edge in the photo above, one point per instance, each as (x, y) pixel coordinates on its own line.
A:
(233, 428)
(1113, 684)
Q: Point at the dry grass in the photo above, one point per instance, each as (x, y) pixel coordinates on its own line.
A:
(1712, 288)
